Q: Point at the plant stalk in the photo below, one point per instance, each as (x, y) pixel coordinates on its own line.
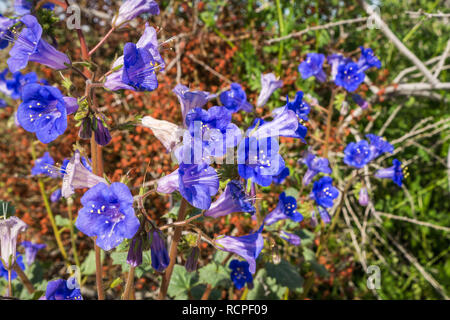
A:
(173, 252)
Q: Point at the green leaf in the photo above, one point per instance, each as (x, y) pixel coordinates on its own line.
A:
(213, 274)
(62, 222)
(285, 274)
(37, 295)
(120, 258)
(181, 282)
(265, 288)
(88, 265)
(316, 266)
(292, 192)
(115, 282)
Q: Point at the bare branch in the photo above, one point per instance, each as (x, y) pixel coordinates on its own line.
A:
(400, 46)
(321, 27)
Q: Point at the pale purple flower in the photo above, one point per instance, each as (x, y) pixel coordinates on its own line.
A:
(191, 99)
(77, 176)
(363, 198)
(248, 247)
(9, 231)
(131, 9)
(269, 83)
(168, 133)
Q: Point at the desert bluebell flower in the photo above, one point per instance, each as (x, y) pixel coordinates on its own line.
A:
(240, 274)
(160, 257)
(378, 146)
(312, 66)
(285, 209)
(368, 60)
(131, 67)
(191, 99)
(279, 179)
(235, 99)
(63, 290)
(4, 271)
(28, 46)
(139, 68)
(108, 214)
(197, 184)
(131, 9)
(248, 247)
(31, 250)
(324, 193)
(44, 165)
(233, 199)
(259, 160)
(285, 124)
(214, 128)
(396, 173)
(357, 154)
(3, 103)
(349, 76)
(315, 165)
(43, 111)
(9, 231)
(300, 107)
(291, 238)
(77, 176)
(269, 83)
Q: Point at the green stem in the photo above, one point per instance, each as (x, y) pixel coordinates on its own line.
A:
(173, 251)
(73, 236)
(281, 32)
(52, 219)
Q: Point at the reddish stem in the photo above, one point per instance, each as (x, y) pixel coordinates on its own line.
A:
(101, 41)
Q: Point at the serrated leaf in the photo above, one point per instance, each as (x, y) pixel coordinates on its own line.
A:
(62, 222)
(213, 274)
(285, 274)
(181, 282)
(310, 257)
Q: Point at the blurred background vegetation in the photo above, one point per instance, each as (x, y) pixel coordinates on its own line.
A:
(231, 37)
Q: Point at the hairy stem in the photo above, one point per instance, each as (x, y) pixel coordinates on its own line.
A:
(129, 285)
(97, 167)
(102, 41)
(73, 236)
(173, 252)
(23, 277)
